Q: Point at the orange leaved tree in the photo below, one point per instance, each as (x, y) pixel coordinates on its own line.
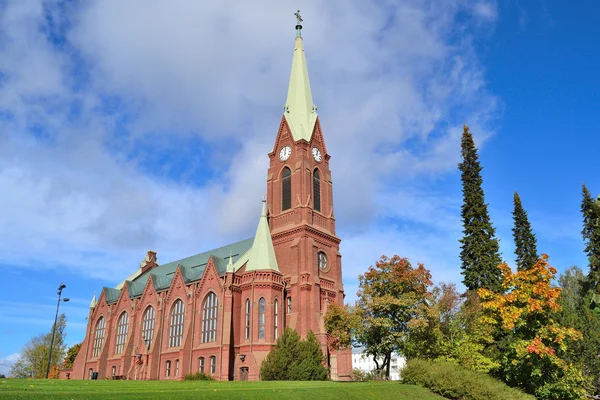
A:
(534, 342)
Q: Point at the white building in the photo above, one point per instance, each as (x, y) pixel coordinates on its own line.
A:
(366, 363)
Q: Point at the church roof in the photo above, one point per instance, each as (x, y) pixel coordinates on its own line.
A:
(299, 110)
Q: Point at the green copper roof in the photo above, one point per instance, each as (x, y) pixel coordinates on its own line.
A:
(111, 295)
(299, 110)
(262, 253)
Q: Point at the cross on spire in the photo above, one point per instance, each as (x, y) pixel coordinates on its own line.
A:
(298, 24)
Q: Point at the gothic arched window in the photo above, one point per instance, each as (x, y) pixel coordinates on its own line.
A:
(275, 315)
(261, 318)
(122, 328)
(209, 318)
(148, 326)
(248, 319)
(99, 337)
(286, 189)
(177, 317)
(317, 190)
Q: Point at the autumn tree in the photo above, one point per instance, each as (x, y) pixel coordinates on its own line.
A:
(480, 250)
(534, 358)
(34, 356)
(388, 298)
(341, 323)
(590, 210)
(525, 241)
(71, 355)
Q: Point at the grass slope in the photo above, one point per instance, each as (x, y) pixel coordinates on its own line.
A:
(183, 390)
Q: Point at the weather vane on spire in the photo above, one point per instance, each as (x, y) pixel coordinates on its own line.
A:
(298, 18)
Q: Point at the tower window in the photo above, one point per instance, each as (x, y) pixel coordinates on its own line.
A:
(275, 315)
(261, 318)
(317, 190)
(209, 318)
(286, 189)
(247, 318)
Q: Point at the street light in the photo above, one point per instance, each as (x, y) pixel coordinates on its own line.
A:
(60, 289)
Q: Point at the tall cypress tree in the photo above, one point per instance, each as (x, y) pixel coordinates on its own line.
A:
(590, 211)
(525, 241)
(480, 250)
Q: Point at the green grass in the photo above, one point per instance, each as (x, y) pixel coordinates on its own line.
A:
(183, 390)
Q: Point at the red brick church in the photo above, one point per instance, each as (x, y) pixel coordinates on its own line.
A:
(221, 311)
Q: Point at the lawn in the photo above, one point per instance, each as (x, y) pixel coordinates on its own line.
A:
(182, 390)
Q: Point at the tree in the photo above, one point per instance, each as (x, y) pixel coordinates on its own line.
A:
(590, 211)
(448, 328)
(71, 355)
(388, 298)
(34, 356)
(293, 359)
(479, 254)
(576, 313)
(341, 324)
(525, 241)
(534, 358)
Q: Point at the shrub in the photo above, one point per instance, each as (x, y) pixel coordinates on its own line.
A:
(452, 381)
(198, 376)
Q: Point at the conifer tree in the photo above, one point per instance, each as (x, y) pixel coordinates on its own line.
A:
(590, 211)
(525, 241)
(479, 254)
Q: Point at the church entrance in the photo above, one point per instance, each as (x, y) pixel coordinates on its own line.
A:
(244, 374)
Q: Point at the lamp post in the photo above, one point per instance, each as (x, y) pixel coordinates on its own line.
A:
(60, 289)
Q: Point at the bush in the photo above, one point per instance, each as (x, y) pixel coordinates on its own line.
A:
(293, 359)
(452, 381)
(198, 376)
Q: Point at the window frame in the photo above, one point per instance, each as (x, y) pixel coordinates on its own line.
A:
(177, 323)
(286, 189)
(122, 331)
(213, 364)
(275, 319)
(98, 339)
(261, 317)
(248, 319)
(317, 190)
(210, 317)
(148, 326)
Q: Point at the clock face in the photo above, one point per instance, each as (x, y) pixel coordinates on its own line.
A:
(322, 261)
(317, 154)
(285, 153)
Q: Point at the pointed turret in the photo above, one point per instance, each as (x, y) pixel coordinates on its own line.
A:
(262, 253)
(93, 302)
(299, 110)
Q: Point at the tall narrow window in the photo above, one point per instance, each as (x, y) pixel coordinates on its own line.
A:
(275, 324)
(91, 373)
(122, 328)
(213, 364)
(168, 369)
(176, 331)
(247, 318)
(176, 367)
(99, 337)
(286, 189)
(289, 305)
(201, 364)
(317, 190)
(148, 327)
(261, 318)
(209, 318)
(114, 371)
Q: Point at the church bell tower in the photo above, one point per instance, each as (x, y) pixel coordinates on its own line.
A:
(301, 214)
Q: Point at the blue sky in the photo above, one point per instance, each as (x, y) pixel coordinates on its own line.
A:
(126, 127)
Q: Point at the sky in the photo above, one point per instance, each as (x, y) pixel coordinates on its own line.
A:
(137, 125)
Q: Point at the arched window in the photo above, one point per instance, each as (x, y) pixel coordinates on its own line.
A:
(168, 369)
(148, 326)
(247, 318)
(201, 364)
(99, 337)
(317, 190)
(176, 332)
(261, 318)
(275, 323)
(286, 189)
(209, 318)
(122, 328)
(213, 364)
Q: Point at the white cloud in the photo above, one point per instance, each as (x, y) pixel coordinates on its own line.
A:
(89, 187)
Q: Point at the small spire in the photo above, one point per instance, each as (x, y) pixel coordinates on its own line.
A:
(93, 302)
(230, 263)
(298, 24)
(262, 253)
(264, 206)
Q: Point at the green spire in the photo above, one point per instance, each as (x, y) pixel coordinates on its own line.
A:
(299, 110)
(262, 253)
